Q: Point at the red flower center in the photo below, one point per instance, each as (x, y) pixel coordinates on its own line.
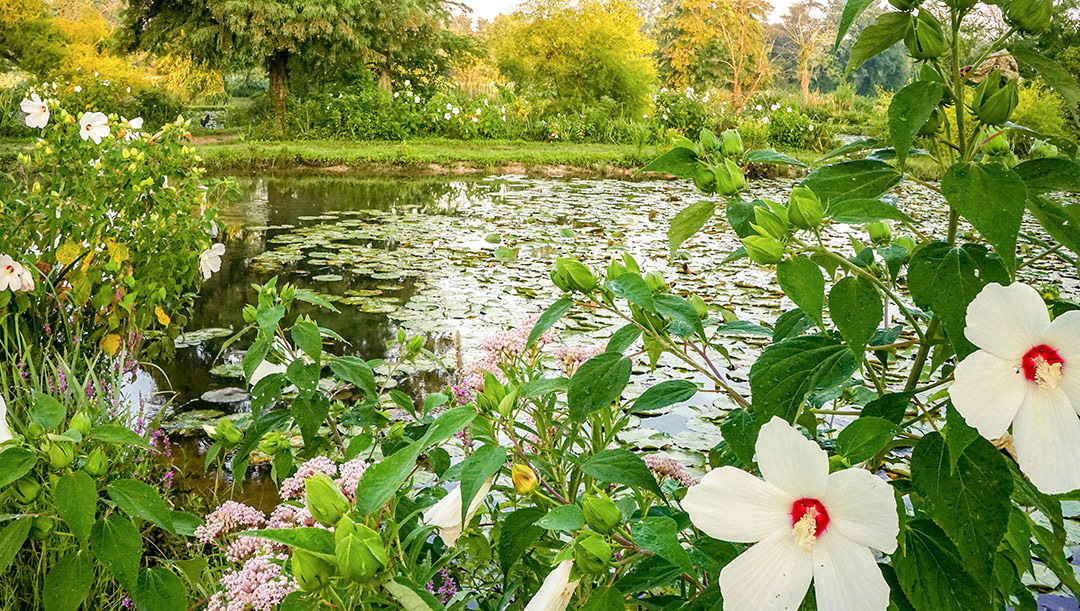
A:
(1041, 356)
(10, 269)
(801, 507)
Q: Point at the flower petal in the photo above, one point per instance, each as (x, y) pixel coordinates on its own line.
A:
(1045, 433)
(556, 591)
(988, 391)
(732, 505)
(1064, 336)
(773, 575)
(790, 461)
(862, 508)
(1006, 321)
(846, 576)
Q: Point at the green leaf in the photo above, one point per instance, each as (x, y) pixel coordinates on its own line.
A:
(141, 501)
(856, 308)
(357, 372)
(888, 30)
(770, 156)
(381, 480)
(1050, 549)
(538, 387)
(856, 179)
(945, 280)
(958, 435)
(484, 463)
(68, 582)
(852, 10)
(971, 502)
(791, 324)
(412, 596)
(740, 430)
(597, 383)
(632, 287)
(518, 532)
(1049, 175)
(740, 214)
(605, 599)
(254, 356)
(1059, 78)
(315, 540)
(660, 535)
(679, 161)
(931, 573)
(802, 281)
(47, 411)
(909, 110)
(547, 320)
(863, 210)
(12, 538)
(305, 334)
(117, 545)
(160, 589)
(864, 438)
(1060, 221)
(623, 338)
(890, 407)
(120, 435)
(309, 411)
(15, 462)
(687, 222)
(76, 500)
(668, 392)
(788, 371)
(684, 318)
(562, 517)
(621, 466)
(992, 199)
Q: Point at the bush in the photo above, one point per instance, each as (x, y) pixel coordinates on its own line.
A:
(790, 129)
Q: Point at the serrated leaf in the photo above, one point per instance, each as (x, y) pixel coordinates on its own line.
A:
(888, 30)
(802, 281)
(660, 535)
(864, 438)
(856, 179)
(117, 545)
(856, 308)
(931, 573)
(864, 210)
(679, 161)
(562, 517)
(909, 110)
(621, 466)
(547, 320)
(668, 392)
(788, 371)
(597, 383)
(141, 501)
(76, 502)
(992, 199)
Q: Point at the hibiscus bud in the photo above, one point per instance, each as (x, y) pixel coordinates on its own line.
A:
(906, 241)
(962, 6)
(601, 514)
(60, 454)
(42, 527)
(729, 178)
(97, 463)
(995, 100)
(311, 571)
(924, 39)
(731, 144)
(768, 222)
(576, 275)
(705, 180)
(325, 500)
(880, 232)
(614, 270)
(998, 144)
(34, 430)
(27, 489)
(560, 281)
(81, 422)
(1029, 16)
(591, 553)
(763, 249)
(1044, 150)
(933, 124)
(360, 551)
(804, 208)
(708, 140)
(272, 443)
(656, 283)
(525, 479)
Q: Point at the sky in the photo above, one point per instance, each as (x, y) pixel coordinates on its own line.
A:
(487, 9)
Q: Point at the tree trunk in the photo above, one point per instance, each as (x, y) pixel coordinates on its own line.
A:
(279, 82)
(804, 76)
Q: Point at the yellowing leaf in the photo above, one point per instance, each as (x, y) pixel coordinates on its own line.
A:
(110, 344)
(162, 317)
(68, 252)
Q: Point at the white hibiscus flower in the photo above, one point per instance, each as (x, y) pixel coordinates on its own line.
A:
(556, 591)
(210, 260)
(808, 525)
(10, 274)
(1026, 373)
(5, 432)
(37, 111)
(446, 514)
(93, 126)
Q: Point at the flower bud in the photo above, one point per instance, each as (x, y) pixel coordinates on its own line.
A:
(804, 208)
(1029, 16)
(1042, 149)
(906, 241)
(996, 144)
(325, 500)
(272, 443)
(933, 124)
(311, 571)
(42, 527)
(614, 270)
(705, 180)
(34, 430)
(729, 178)
(97, 463)
(994, 100)
(81, 422)
(962, 6)
(731, 144)
(576, 275)
(60, 454)
(601, 514)
(924, 39)
(27, 489)
(762, 249)
(360, 551)
(709, 141)
(525, 479)
(591, 553)
(656, 283)
(880, 232)
(768, 222)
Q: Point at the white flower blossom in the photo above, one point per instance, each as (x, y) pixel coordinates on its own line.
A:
(446, 514)
(93, 126)
(556, 591)
(210, 260)
(37, 111)
(5, 432)
(10, 274)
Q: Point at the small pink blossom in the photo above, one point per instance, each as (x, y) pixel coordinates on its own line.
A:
(663, 467)
(259, 585)
(229, 517)
(293, 487)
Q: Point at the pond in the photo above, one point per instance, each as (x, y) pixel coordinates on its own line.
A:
(456, 259)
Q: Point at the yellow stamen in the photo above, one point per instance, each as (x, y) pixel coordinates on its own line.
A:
(805, 530)
(1047, 374)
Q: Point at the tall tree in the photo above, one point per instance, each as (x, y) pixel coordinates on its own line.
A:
(804, 25)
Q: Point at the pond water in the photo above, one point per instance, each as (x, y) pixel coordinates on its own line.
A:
(456, 259)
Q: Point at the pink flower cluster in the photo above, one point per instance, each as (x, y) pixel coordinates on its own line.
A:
(260, 585)
(347, 476)
(229, 517)
(500, 348)
(572, 356)
(663, 467)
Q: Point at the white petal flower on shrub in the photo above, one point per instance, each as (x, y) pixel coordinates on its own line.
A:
(78, 89)
(10, 274)
(446, 514)
(136, 123)
(93, 126)
(1026, 373)
(210, 260)
(806, 523)
(556, 591)
(26, 279)
(5, 432)
(37, 111)
(264, 369)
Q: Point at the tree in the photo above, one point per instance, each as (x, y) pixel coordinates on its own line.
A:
(28, 36)
(576, 53)
(804, 26)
